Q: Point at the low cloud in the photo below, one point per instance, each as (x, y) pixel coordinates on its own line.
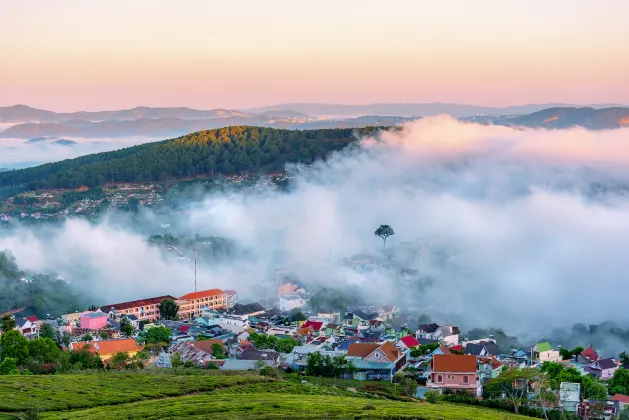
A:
(521, 229)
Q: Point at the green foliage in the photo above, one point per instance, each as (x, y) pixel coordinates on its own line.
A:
(557, 373)
(624, 358)
(159, 334)
(46, 331)
(409, 385)
(424, 349)
(433, 397)
(83, 390)
(334, 299)
(227, 151)
(43, 350)
(281, 345)
(14, 345)
(270, 372)
(175, 360)
(126, 327)
(87, 337)
(424, 319)
(619, 384)
(217, 351)
(211, 366)
(319, 365)
(567, 354)
(7, 323)
(297, 316)
(384, 231)
(8, 365)
(168, 309)
(188, 364)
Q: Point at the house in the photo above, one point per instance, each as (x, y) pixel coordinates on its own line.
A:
(408, 342)
(290, 288)
(344, 346)
(440, 350)
(106, 349)
(190, 304)
(376, 327)
(290, 302)
(447, 334)
(333, 329)
(356, 317)
(145, 309)
(375, 361)
(133, 320)
(489, 368)
(388, 312)
(93, 320)
(330, 315)
(602, 368)
(543, 352)
(245, 311)
(198, 352)
(270, 357)
(477, 350)
(524, 354)
(28, 326)
(315, 326)
(587, 356)
(454, 372)
(569, 396)
(427, 331)
(620, 402)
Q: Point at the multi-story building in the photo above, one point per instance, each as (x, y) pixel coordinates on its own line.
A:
(144, 309)
(190, 304)
(454, 372)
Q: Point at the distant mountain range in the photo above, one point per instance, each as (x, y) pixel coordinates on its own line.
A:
(171, 122)
(415, 110)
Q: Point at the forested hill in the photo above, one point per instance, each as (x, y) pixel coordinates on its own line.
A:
(227, 151)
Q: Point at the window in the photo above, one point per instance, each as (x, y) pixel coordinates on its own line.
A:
(466, 379)
(377, 355)
(439, 378)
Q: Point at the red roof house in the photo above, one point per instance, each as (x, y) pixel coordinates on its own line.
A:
(315, 325)
(408, 342)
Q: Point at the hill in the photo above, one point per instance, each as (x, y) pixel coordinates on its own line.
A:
(195, 394)
(411, 109)
(562, 117)
(227, 151)
(23, 113)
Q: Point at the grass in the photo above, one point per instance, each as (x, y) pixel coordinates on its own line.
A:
(62, 392)
(281, 406)
(197, 394)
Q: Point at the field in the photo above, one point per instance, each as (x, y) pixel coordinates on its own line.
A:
(213, 395)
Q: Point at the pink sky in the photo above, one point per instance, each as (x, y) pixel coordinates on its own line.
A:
(74, 55)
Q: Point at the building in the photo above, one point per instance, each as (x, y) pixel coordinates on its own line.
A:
(290, 302)
(190, 304)
(569, 396)
(375, 361)
(602, 368)
(198, 352)
(454, 372)
(28, 326)
(106, 349)
(289, 288)
(93, 320)
(245, 311)
(145, 309)
(543, 352)
(232, 298)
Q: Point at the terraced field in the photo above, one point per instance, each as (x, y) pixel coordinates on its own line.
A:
(214, 395)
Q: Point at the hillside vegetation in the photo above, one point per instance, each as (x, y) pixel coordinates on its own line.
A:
(208, 394)
(227, 151)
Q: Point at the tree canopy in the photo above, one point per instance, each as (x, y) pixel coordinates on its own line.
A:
(168, 309)
(226, 151)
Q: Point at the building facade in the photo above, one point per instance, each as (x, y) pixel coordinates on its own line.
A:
(190, 304)
(145, 309)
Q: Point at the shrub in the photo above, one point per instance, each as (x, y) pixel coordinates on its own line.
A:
(433, 397)
(369, 407)
(270, 372)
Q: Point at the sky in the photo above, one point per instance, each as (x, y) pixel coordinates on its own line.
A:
(72, 55)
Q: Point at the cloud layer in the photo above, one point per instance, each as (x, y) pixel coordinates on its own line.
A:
(520, 229)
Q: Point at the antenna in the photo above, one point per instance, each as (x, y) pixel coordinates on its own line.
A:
(195, 268)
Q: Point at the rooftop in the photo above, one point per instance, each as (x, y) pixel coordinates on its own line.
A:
(135, 303)
(202, 294)
(454, 363)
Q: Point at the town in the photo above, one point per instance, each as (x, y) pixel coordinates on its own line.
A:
(211, 329)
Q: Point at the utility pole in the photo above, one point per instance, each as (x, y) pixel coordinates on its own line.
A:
(195, 269)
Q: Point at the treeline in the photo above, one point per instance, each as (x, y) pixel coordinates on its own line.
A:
(226, 151)
(39, 294)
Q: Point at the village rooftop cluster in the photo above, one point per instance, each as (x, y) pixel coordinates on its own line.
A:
(213, 330)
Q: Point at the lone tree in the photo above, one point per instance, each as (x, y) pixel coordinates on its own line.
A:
(168, 309)
(384, 231)
(7, 323)
(126, 327)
